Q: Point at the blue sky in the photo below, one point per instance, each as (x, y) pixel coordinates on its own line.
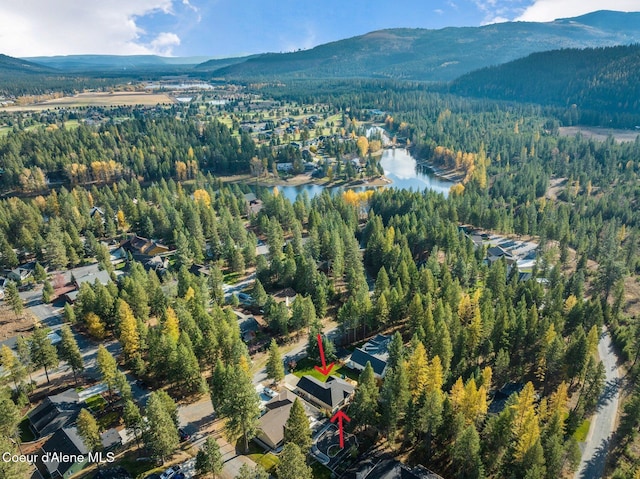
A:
(223, 28)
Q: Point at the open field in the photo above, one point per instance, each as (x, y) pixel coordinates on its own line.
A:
(600, 134)
(96, 99)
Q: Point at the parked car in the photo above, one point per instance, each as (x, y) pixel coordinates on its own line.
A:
(269, 392)
(170, 473)
(184, 436)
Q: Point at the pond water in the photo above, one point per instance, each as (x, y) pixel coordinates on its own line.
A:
(399, 166)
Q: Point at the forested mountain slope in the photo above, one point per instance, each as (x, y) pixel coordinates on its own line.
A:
(601, 81)
(437, 55)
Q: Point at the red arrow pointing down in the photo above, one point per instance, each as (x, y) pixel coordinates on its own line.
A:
(324, 370)
(339, 416)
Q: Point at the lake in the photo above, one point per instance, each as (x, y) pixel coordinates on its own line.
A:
(399, 166)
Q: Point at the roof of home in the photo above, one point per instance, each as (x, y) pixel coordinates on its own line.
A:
(278, 410)
(55, 412)
(65, 441)
(374, 351)
(497, 251)
(390, 469)
(110, 438)
(332, 393)
(102, 277)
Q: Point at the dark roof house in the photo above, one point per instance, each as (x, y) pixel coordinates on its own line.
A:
(54, 413)
(374, 351)
(330, 395)
(65, 444)
(144, 247)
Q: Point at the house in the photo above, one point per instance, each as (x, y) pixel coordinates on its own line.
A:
(117, 255)
(388, 468)
(20, 273)
(330, 395)
(144, 247)
(111, 439)
(288, 295)
(500, 397)
(101, 276)
(374, 351)
(254, 205)
(54, 413)
(495, 253)
(272, 422)
(157, 264)
(287, 166)
(64, 454)
(96, 211)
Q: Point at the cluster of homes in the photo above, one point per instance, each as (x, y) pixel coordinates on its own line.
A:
(64, 453)
(517, 254)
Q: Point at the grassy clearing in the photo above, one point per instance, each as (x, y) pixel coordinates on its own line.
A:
(581, 433)
(96, 403)
(267, 460)
(109, 420)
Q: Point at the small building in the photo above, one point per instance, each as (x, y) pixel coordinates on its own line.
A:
(495, 253)
(254, 205)
(20, 273)
(374, 351)
(286, 167)
(157, 263)
(330, 395)
(200, 270)
(54, 413)
(117, 255)
(388, 468)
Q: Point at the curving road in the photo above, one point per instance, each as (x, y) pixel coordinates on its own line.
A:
(596, 447)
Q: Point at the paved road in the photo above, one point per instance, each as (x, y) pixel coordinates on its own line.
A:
(603, 421)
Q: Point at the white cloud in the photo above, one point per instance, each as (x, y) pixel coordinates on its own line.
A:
(548, 10)
(63, 27)
(439, 11)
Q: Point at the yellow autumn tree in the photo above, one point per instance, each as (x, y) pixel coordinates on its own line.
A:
(95, 326)
(202, 196)
(122, 221)
(129, 335)
(363, 146)
(418, 371)
(469, 399)
(525, 427)
(171, 325)
(456, 189)
(435, 376)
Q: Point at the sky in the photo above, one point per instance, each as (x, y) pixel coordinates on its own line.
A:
(226, 28)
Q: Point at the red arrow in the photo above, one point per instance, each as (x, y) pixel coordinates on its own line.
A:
(324, 370)
(340, 416)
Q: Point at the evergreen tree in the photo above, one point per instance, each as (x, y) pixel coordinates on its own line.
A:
(313, 352)
(88, 431)
(466, 454)
(161, 435)
(39, 273)
(43, 353)
(209, 458)
(23, 349)
(297, 429)
(275, 366)
(70, 352)
(9, 416)
(69, 314)
(132, 418)
(240, 405)
(257, 472)
(13, 469)
(364, 408)
(292, 463)
(394, 398)
(47, 292)
(121, 383)
(258, 294)
(13, 298)
(107, 366)
(187, 368)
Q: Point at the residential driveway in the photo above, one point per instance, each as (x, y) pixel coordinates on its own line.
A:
(602, 428)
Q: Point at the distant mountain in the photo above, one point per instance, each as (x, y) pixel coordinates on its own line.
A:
(603, 80)
(438, 55)
(16, 66)
(113, 62)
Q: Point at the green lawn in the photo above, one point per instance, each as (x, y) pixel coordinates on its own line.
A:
(267, 460)
(581, 433)
(96, 403)
(109, 420)
(306, 367)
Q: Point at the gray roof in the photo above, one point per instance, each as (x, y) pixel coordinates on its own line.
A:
(64, 441)
(55, 412)
(102, 277)
(374, 351)
(332, 393)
